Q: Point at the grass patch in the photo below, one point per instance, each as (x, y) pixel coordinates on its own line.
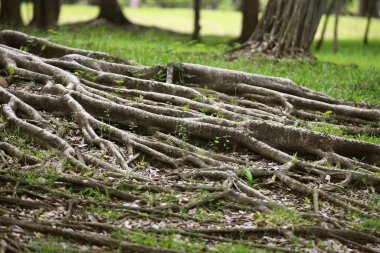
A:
(52, 244)
(335, 130)
(25, 144)
(104, 212)
(95, 192)
(178, 242)
(281, 217)
(371, 224)
(226, 25)
(349, 81)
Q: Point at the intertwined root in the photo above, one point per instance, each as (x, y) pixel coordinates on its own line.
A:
(203, 122)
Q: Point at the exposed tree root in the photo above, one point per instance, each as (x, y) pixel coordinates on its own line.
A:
(143, 132)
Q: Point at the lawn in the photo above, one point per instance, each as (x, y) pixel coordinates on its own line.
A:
(357, 76)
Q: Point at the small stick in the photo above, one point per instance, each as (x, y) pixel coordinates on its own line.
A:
(15, 189)
(79, 155)
(315, 201)
(69, 209)
(169, 74)
(133, 158)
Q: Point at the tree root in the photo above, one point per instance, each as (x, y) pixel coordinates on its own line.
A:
(174, 124)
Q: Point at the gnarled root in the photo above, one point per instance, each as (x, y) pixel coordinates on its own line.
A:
(141, 140)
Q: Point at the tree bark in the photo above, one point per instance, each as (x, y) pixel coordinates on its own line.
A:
(287, 28)
(250, 11)
(320, 41)
(365, 39)
(45, 13)
(111, 11)
(197, 18)
(369, 6)
(338, 6)
(10, 12)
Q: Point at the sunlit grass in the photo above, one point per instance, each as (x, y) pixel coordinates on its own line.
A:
(352, 52)
(356, 78)
(151, 48)
(221, 22)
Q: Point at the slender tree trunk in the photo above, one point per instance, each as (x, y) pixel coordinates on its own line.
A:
(45, 13)
(197, 19)
(320, 41)
(250, 11)
(287, 28)
(370, 7)
(338, 6)
(365, 40)
(111, 11)
(10, 12)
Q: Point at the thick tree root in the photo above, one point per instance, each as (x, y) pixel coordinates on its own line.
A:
(146, 135)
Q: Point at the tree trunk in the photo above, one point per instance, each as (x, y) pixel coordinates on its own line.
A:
(10, 12)
(365, 40)
(369, 6)
(111, 11)
(371, 11)
(338, 6)
(320, 41)
(250, 11)
(363, 8)
(45, 13)
(287, 28)
(197, 18)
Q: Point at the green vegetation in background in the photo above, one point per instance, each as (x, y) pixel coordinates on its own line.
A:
(347, 81)
(227, 23)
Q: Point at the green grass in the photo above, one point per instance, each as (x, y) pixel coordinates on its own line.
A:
(53, 244)
(347, 81)
(168, 240)
(353, 73)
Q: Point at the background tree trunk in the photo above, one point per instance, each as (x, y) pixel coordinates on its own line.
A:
(110, 10)
(365, 39)
(369, 6)
(197, 19)
(338, 7)
(370, 12)
(329, 10)
(45, 13)
(288, 27)
(250, 11)
(10, 12)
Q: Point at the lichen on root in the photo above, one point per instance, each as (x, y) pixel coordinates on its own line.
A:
(188, 121)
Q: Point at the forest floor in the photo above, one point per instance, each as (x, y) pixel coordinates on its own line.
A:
(64, 206)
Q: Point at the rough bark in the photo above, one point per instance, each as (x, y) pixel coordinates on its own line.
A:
(250, 12)
(111, 11)
(10, 13)
(286, 29)
(45, 13)
(228, 127)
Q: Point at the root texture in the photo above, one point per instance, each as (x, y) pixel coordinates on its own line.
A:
(172, 145)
